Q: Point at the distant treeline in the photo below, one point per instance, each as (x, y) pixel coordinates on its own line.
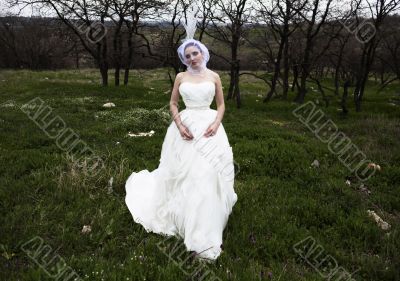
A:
(47, 43)
(287, 43)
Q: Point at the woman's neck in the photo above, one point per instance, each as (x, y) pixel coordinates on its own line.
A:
(198, 71)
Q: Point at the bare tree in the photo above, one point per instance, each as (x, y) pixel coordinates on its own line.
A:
(160, 41)
(226, 26)
(87, 20)
(126, 15)
(389, 52)
(279, 16)
(336, 56)
(117, 13)
(314, 13)
(34, 43)
(370, 36)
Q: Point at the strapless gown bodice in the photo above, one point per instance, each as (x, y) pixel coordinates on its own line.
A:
(197, 95)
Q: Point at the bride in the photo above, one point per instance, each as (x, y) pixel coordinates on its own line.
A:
(191, 193)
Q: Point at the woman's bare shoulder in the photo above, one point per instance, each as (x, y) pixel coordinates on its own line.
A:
(214, 75)
(179, 77)
(213, 72)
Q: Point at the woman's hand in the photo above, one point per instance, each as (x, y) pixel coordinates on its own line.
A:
(185, 133)
(212, 129)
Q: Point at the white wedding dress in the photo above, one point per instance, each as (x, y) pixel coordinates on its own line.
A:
(191, 192)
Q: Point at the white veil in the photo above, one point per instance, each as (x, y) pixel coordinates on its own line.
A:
(190, 28)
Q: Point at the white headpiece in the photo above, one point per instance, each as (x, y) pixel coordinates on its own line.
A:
(190, 28)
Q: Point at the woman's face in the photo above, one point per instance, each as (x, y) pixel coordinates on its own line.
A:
(193, 56)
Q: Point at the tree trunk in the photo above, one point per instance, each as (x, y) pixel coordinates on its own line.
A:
(237, 89)
(103, 59)
(104, 75)
(117, 48)
(277, 70)
(346, 86)
(339, 65)
(295, 78)
(116, 75)
(231, 83)
(304, 74)
(129, 59)
(285, 77)
(362, 78)
(302, 90)
(126, 75)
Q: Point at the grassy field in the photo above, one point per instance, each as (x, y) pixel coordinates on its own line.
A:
(282, 199)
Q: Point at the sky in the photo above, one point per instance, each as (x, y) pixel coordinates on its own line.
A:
(26, 12)
(29, 11)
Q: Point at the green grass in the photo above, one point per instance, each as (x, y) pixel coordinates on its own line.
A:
(281, 199)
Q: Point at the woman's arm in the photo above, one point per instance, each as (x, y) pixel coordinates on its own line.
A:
(173, 108)
(173, 103)
(219, 99)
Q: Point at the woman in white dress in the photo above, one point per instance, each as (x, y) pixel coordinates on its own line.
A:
(191, 193)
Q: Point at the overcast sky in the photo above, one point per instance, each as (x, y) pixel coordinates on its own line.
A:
(29, 11)
(4, 9)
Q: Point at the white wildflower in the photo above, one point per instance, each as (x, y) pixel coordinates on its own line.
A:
(9, 103)
(109, 105)
(315, 164)
(109, 187)
(374, 166)
(381, 223)
(86, 229)
(141, 134)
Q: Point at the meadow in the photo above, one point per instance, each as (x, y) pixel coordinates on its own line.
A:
(284, 200)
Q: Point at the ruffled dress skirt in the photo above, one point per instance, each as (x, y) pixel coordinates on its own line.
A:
(191, 193)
